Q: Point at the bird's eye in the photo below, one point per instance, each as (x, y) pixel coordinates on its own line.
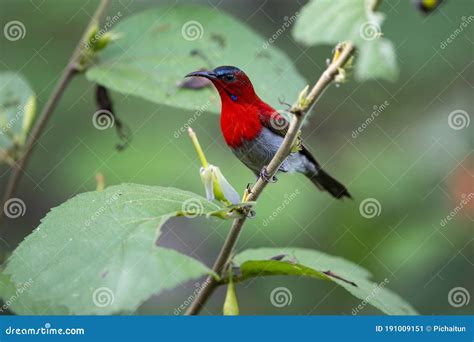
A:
(229, 77)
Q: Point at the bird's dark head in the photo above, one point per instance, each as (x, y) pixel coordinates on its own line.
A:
(231, 82)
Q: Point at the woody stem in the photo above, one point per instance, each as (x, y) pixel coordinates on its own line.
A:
(68, 74)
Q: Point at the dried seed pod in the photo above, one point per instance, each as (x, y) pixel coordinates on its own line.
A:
(104, 103)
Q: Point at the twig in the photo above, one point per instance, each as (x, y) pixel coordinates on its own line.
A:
(66, 77)
(299, 110)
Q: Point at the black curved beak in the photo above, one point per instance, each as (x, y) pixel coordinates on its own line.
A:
(202, 73)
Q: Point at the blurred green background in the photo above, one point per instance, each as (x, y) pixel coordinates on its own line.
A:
(409, 158)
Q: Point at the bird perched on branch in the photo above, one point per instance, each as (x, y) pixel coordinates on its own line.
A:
(254, 130)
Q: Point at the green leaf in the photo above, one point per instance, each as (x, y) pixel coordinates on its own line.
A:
(334, 21)
(353, 278)
(97, 252)
(377, 60)
(160, 46)
(17, 112)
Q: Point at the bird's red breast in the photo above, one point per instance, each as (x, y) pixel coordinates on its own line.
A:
(243, 120)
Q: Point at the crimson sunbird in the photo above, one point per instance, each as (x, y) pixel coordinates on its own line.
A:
(254, 130)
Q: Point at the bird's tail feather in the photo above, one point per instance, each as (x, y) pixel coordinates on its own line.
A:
(326, 183)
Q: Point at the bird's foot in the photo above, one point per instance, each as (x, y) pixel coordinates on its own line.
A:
(266, 177)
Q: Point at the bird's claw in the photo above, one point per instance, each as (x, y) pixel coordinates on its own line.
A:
(266, 177)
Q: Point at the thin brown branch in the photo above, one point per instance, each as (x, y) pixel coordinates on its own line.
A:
(48, 109)
(299, 110)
